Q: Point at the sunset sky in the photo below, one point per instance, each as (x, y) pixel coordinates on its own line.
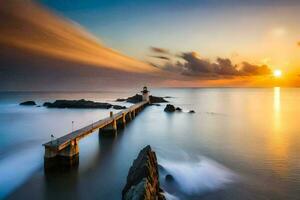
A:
(182, 43)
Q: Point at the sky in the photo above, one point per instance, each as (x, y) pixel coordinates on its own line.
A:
(186, 43)
(260, 31)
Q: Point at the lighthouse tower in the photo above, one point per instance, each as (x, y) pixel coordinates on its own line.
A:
(145, 94)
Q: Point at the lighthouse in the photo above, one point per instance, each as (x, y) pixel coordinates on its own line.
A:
(145, 94)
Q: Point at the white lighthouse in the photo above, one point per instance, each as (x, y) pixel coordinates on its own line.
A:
(145, 94)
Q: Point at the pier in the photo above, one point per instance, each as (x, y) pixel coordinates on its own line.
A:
(65, 150)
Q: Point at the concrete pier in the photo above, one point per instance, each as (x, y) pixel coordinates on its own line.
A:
(65, 150)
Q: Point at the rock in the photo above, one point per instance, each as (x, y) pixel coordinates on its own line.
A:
(28, 103)
(46, 104)
(169, 108)
(154, 99)
(143, 178)
(191, 111)
(77, 104)
(117, 107)
(135, 99)
(178, 109)
(169, 178)
(121, 100)
(138, 98)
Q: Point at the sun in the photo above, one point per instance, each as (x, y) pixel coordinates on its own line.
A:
(277, 73)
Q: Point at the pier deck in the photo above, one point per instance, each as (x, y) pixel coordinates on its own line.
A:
(67, 145)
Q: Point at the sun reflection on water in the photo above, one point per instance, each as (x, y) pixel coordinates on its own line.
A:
(278, 141)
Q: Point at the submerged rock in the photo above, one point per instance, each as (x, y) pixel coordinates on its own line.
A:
(28, 103)
(169, 178)
(169, 108)
(143, 178)
(77, 104)
(138, 98)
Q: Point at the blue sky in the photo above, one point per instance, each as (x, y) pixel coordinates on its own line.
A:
(236, 29)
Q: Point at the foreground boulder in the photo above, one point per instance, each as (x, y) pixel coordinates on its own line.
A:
(77, 104)
(28, 103)
(143, 179)
(169, 108)
(138, 98)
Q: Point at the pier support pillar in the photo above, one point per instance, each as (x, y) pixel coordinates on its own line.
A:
(110, 130)
(124, 119)
(66, 158)
(71, 150)
(121, 123)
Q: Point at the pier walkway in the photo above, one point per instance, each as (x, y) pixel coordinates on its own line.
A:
(67, 145)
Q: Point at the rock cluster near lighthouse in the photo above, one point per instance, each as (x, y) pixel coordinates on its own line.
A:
(28, 103)
(138, 98)
(143, 178)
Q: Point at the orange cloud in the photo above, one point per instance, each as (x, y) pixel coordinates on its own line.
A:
(24, 24)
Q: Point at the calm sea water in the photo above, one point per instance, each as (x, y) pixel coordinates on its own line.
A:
(240, 144)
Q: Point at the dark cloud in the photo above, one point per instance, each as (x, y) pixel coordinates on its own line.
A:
(250, 69)
(193, 65)
(159, 50)
(161, 57)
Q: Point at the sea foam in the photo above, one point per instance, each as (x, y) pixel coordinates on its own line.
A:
(198, 177)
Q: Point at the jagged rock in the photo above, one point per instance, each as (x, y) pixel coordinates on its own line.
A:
(169, 178)
(169, 108)
(117, 107)
(138, 98)
(178, 109)
(28, 103)
(77, 104)
(191, 111)
(143, 178)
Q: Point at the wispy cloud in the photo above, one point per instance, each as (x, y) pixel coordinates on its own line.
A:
(42, 51)
(30, 26)
(159, 50)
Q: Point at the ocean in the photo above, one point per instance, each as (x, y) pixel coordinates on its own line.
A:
(242, 143)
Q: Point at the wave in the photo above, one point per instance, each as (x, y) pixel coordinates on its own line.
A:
(194, 178)
(17, 168)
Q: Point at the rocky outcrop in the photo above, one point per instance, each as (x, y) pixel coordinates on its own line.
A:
(143, 178)
(117, 107)
(77, 104)
(28, 103)
(138, 98)
(120, 100)
(178, 109)
(169, 108)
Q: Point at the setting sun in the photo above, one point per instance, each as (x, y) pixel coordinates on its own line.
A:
(277, 73)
